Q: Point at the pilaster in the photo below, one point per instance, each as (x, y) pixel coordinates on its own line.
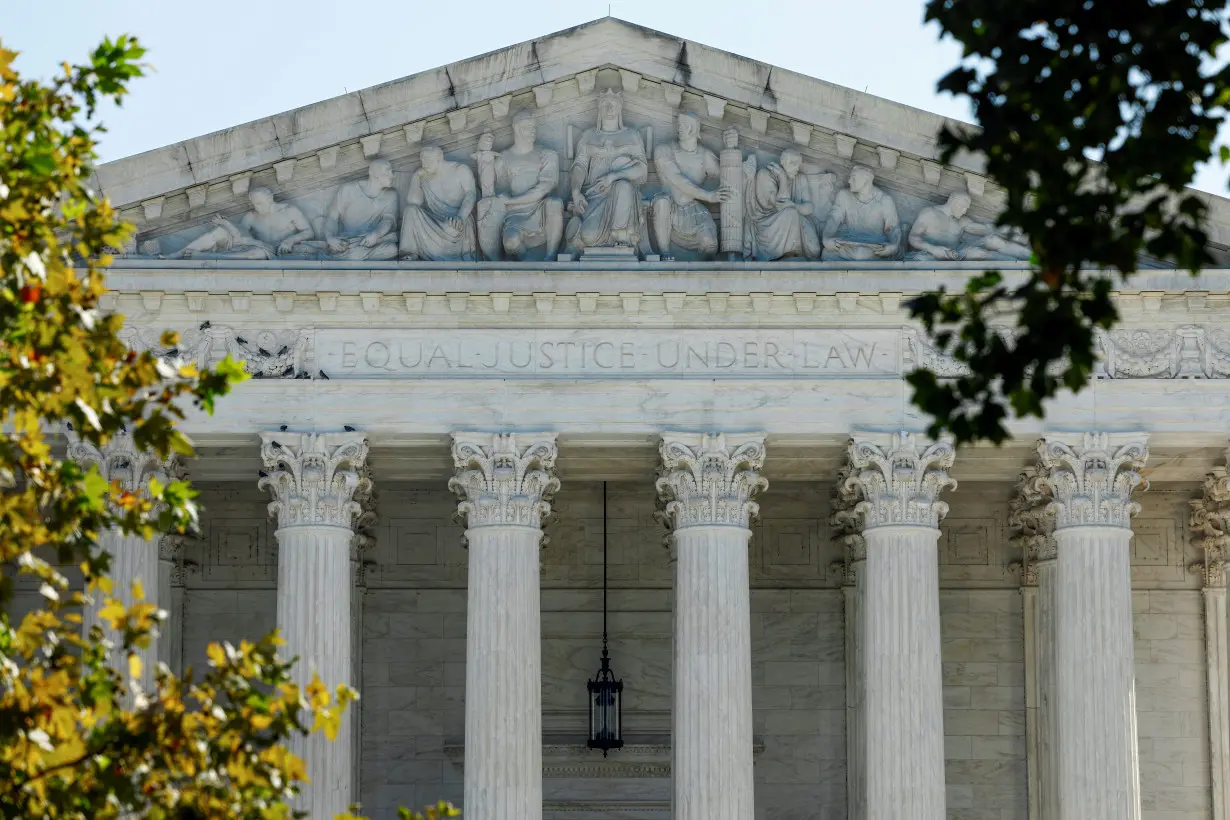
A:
(899, 479)
(706, 485)
(1032, 521)
(315, 479)
(1092, 477)
(847, 531)
(505, 483)
(1211, 533)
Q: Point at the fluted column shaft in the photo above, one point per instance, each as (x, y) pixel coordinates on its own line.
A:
(901, 662)
(314, 479)
(314, 620)
(503, 766)
(132, 559)
(1092, 478)
(713, 675)
(505, 483)
(1099, 768)
(706, 485)
(899, 479)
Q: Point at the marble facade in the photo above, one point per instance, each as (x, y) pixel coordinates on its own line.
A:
(472, 297)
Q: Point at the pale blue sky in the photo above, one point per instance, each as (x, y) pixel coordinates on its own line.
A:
(225, 62)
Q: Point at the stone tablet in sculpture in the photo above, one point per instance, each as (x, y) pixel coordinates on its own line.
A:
(607, 173)
(863, 223)
(517, 212)
(361, 222)
(438, 223)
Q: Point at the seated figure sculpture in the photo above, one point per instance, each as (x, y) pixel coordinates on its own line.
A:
(679, 218)
(361, 222)
(438, 223)
(609, 168)
(779, 219)
(863, 223)
(269, 230)
(945, 233)
(524, 215)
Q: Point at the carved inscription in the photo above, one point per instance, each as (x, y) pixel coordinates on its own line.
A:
(563, 353)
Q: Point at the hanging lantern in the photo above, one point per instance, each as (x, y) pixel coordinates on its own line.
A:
(605, 692)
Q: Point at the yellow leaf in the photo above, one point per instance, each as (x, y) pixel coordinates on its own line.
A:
(134, 666)
(138, 590)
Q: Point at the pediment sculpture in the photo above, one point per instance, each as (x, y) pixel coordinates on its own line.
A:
(618, 195)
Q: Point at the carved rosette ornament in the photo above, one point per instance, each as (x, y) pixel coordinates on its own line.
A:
(120, 460)
(314, 477)
(847, 524)
(1092, 482)
(504, 479)
(1031, 520)
(1211, 527)
(901, 483)
(710, 479)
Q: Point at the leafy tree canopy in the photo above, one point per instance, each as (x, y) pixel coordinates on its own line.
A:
(78, 736)
(1092, 115)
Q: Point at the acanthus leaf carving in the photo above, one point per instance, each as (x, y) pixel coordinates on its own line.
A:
(900, 479)
(1210, 526)
(313, 477)
(710, 479)
(504, 479)
(120, 460)
(847, 524)
(1031, 519)
(1092, 480)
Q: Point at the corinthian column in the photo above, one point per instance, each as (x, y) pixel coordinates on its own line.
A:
(1032, 519)
(1211, 526)
(505, 483)
(314, 478)
(847, 531)
(1092, 480)
(706, 484)
(133, 558)
(900, 479)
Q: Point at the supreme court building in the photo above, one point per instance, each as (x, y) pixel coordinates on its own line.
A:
(613, 288)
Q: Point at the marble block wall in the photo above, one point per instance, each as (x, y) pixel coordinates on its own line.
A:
(413, 646)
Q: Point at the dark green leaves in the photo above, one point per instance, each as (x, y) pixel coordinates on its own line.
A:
(1093, 116)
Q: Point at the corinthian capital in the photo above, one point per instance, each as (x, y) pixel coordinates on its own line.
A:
(1031, 519)
(1092, 477)
(847, 523)
(314, 477)
(899, 479)
(1211, 527)
(504, 479)
(120, 460)
(710, 479)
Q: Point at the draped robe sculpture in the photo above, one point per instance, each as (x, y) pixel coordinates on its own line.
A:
(780, 212)
(438, 223)
(607, 172)
(527, 216)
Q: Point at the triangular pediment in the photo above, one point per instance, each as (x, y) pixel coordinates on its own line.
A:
(174, 193)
